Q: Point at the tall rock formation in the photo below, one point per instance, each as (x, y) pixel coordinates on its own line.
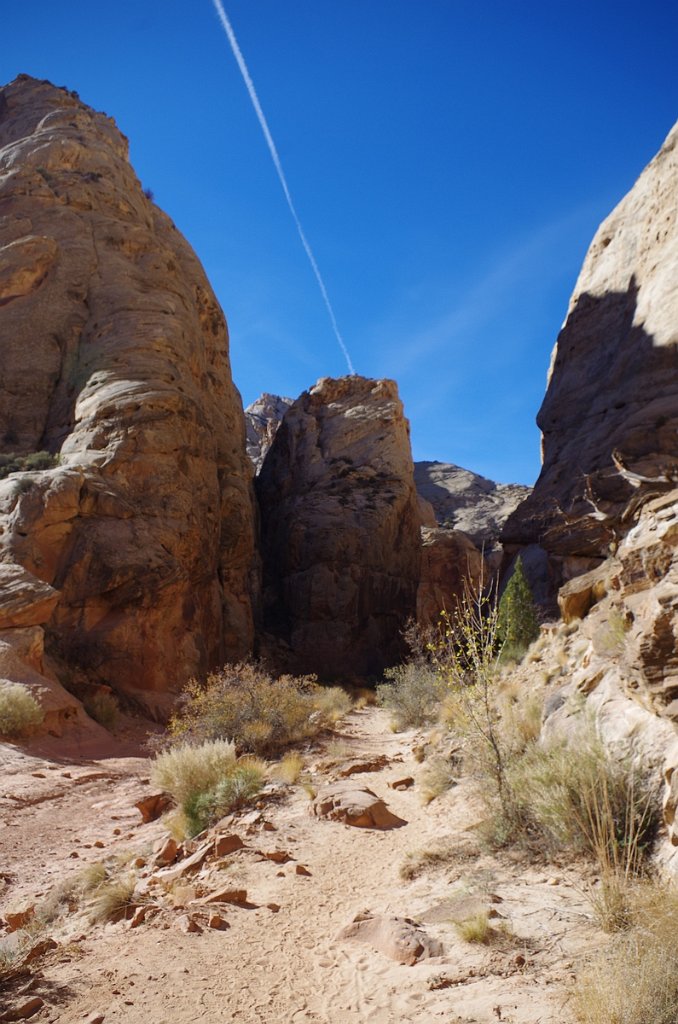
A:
(610, 416)
(262, 419)
(340, 531)
(115, 360)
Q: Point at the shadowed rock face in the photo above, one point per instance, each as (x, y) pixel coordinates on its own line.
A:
(610, 416)
(340, 531)
(115, 357)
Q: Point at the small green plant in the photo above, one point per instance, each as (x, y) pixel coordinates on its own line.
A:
(235, 790)
(476, 928)
(412, 695)
(20, 712)
(517, 623)
(206, 781)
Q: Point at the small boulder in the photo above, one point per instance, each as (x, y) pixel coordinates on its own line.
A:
(229, 895)
(167, 854)
(398, 938)
(152, 806)
(186, 924)
(355, 806)
(19, 919)
(225, 844)
(217, 922)
(24, 1009)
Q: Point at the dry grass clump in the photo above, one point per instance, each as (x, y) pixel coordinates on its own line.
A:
(440, 774)
(577, 797)
(103, 708)
(635, 980)
(187, 769)
(290, 767)
(111, 898)
(259, 714)
(418, 862)
(412, 694)
(20, 712)
(207, 781)
(477, 929)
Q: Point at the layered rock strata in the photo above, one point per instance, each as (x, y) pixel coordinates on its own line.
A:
(340, 531)
(114, 351)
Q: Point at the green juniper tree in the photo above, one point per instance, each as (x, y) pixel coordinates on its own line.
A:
(517, 624)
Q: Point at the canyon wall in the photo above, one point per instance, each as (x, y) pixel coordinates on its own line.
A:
(141, 531)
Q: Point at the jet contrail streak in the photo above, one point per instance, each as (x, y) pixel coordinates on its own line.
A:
(278, 166)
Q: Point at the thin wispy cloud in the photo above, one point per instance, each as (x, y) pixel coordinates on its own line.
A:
(249, 84)
(513, 271)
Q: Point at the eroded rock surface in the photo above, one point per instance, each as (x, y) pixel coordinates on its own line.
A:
(610, 416)
(262, 419)
(449, 561)
(340, 531)
(115, 359)
(466, 501)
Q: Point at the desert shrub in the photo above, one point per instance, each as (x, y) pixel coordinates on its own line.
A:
(103, 708)
(14, 463)
(111, 897)
(411, 694)
(19, 710)
(635, 979)
(234, 790)
(188, 769)
(290, 767)
(331, 704)
(517, 623)
(440, 775)
(581, 799)
(260, 714)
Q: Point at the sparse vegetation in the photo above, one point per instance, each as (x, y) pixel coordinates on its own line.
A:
(234, 790)
(12, 462)
(635, 979)
(103, 707)
(261, 715)
(111, 897)
(476, 928)
(206, 781)
(290, 767)
(411, 694)
(441, 773)
(20, 712)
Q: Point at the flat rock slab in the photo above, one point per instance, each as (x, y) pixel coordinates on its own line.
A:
(396, 937)
(354, 805)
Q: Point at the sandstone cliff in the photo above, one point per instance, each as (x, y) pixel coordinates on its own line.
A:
(114, 360)
(340, 531)
(262, 419)
(610, 416)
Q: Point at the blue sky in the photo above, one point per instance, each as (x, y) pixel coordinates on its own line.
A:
(449, 160)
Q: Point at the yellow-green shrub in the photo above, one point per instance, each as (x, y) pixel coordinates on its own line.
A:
(20, 712)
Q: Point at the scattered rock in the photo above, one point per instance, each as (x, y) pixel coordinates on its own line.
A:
(225, 844)
(217, 922)
(138, 917)
(396, 937)
(19, 918)
(359, 767)
(358, 807)
(273, 907)
(25, 1009)
(95, 1018)
(301, 870)
(277, 856)
(187, 924)
(405, 783)
(151, 807)
(167, 854)
(238, 897)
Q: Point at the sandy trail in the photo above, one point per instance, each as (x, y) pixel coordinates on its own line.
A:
(287, 967)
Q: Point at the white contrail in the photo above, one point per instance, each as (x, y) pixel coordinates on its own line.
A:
(278, 166)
